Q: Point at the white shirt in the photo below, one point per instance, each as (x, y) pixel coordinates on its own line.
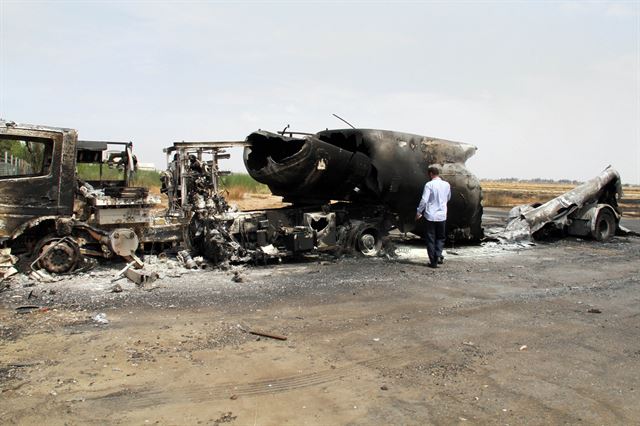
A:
(433, 204)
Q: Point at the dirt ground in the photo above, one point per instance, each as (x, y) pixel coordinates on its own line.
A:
(547, 334)
(258, 201)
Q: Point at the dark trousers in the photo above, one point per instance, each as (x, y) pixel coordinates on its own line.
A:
(436, 235)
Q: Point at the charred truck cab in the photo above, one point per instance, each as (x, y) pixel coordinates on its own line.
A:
(37, 163)
(48, 212)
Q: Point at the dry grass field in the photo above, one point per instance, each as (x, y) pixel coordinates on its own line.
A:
(248, 194)
(496, 194)
(510, 194)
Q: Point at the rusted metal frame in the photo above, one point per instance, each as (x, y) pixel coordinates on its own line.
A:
(184, 150)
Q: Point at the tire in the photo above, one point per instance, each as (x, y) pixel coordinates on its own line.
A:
(605, 226)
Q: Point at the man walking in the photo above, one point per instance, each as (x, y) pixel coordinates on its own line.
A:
(433, 206)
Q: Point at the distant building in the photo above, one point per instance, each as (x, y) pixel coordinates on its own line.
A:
(146, 166)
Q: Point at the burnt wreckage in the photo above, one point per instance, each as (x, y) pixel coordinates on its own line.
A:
(347, 188)
(589, 210)
(221, 233)
(368, 167)
(49, 212)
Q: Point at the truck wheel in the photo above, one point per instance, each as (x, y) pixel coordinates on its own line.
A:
(369, 242)
(605, 226)
(58, 256)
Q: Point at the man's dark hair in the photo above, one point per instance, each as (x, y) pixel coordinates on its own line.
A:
(434, 170)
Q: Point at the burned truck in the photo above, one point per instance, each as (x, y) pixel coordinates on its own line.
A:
(61, 217)
(49, 212)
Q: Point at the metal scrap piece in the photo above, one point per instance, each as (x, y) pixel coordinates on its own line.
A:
(185, 257)
(582, 203)
(140, 276)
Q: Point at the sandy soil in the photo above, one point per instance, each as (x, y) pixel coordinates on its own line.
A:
(251, 201)
(542, 335)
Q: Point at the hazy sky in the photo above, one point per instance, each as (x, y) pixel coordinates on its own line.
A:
(543, 89)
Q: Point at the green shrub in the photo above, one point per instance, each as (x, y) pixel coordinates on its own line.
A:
(147, 178)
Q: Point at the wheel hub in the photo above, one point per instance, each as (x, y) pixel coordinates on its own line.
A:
(368, 244)
(58, 257)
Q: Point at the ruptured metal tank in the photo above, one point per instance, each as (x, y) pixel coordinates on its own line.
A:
(370, 167)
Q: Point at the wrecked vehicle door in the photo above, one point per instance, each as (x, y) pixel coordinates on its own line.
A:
(589, 210)
(367, 166)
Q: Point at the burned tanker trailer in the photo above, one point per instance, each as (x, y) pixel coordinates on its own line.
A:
(366, 170)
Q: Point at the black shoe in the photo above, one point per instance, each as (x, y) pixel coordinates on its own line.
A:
(440, 260)
(432, 265)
